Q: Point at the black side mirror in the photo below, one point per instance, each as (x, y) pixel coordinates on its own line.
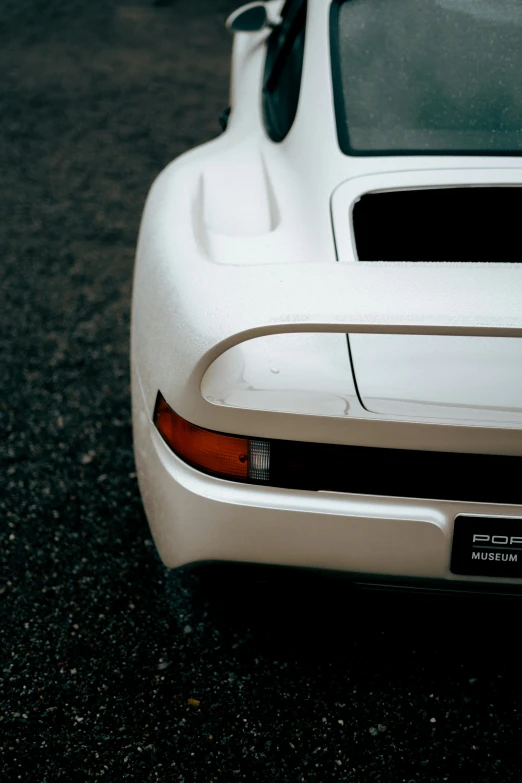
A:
(250, 18)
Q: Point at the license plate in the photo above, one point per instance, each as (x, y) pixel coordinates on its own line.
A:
(487, 546)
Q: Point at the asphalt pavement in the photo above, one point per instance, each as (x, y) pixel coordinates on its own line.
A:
(113, 668)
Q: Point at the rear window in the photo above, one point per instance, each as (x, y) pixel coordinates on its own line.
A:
(477, 224)
(437, 76)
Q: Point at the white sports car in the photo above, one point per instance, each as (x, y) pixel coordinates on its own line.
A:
(327, 308)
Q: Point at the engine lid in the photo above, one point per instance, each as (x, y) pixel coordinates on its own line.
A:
(439, 377)
(463, 217)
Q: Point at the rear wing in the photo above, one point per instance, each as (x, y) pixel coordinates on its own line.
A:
(188, 310)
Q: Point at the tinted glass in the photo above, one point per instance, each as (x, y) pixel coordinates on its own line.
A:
(430, 76)
(284, 65)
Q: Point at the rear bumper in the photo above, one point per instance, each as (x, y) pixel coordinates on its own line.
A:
(195, 517)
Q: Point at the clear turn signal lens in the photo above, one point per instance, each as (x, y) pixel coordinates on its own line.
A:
(259, 460)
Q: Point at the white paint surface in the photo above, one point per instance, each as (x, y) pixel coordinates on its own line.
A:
(207, 283)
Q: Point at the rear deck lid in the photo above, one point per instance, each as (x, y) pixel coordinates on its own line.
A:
(450, 217)
(465, 378)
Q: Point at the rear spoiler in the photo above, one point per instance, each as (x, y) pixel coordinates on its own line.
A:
(189, 310)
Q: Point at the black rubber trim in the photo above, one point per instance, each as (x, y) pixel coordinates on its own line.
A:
(484, 478)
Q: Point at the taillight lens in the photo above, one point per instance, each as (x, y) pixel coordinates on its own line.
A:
(212, 452)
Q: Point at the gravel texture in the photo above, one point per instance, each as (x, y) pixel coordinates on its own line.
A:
(113, 668)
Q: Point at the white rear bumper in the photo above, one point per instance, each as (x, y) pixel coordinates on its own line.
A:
(195, 517)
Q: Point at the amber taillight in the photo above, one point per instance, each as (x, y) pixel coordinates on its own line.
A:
(221, 455)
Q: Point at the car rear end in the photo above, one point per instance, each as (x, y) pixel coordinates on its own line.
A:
(254, 445)
(318, 390)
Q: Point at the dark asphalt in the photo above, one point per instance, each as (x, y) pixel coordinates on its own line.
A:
(111, 668)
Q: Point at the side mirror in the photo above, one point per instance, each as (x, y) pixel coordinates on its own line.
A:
(250, 18)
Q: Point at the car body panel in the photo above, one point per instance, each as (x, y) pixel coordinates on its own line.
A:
(415, 376)
(198, 518)
(472, 378)
(204, 308)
